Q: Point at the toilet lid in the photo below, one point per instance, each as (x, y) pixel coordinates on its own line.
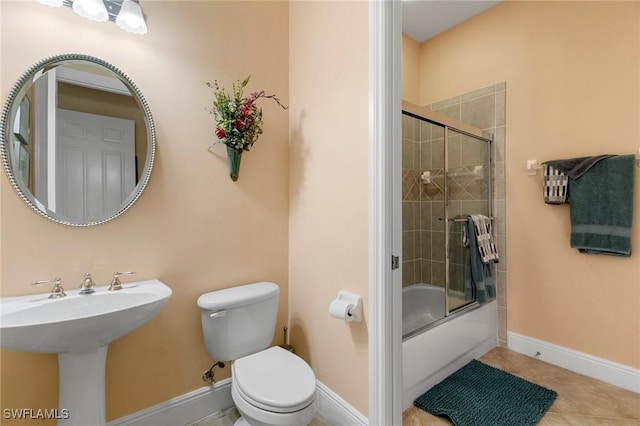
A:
(275, 380)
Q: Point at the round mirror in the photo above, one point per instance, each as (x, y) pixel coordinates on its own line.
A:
(77, 140)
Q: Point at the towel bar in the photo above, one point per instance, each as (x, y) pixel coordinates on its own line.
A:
(532, 166)
(462, 219)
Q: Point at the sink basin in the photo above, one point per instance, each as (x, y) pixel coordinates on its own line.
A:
(79, 328)
(78, 322)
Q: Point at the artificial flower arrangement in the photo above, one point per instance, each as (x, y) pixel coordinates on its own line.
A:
(238, 120)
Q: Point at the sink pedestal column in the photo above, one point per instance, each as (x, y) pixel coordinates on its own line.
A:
(82, 387)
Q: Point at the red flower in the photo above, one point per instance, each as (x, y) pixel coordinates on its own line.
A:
(238, 118)
(256, 95)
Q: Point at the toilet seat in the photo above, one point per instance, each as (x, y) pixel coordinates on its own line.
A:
(257, 416)
(274, 380)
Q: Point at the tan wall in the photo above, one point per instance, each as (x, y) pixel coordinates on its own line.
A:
(328, 190)
(572, 72)
(193, 228)
(410, 70)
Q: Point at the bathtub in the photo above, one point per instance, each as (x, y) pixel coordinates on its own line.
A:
(430, 356)
(422, 304)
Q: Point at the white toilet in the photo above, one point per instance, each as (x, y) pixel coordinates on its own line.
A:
(270, 387)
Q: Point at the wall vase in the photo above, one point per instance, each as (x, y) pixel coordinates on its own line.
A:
(233, 157)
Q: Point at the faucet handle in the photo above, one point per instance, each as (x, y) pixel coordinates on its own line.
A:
(87, 285)
(57, 291)
(115, 283)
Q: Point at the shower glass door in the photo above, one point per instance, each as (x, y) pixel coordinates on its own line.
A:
(468, 192)
(423, 227)
(445, 178)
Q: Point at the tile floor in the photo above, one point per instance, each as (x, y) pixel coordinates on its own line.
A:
(221, 418)
(582, 401)
(229, 416)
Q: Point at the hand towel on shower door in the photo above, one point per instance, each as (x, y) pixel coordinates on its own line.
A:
(484, 237)
(476, 273)
(602, 207)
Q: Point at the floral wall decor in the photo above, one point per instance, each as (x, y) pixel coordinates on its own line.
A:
(238, 120)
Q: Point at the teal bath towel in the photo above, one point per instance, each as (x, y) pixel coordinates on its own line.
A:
(476, 273)
(602, 207)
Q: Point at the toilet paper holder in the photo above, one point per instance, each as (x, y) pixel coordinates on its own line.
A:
(347, 306)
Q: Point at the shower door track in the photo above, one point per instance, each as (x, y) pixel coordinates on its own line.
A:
(433, 117)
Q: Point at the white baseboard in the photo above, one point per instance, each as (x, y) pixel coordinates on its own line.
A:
(183, 409)
(337, 411)
(578, 362)
(207, 400)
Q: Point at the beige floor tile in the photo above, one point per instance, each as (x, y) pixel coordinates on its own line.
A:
(553, 419)
(413, 416)
(229, 416)
(582, 401)
(598, 421)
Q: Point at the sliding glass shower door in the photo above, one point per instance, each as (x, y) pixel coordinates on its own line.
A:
(468, 193)
(446, 177)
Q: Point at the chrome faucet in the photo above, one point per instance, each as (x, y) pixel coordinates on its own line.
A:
(116, 284)
(57, 291)
(87, 285)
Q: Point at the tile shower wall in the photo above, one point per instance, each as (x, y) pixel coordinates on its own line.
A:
(468, 194)
(422, 205)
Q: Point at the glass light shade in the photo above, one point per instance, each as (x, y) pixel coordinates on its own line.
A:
(91, 9)
(130, 18)
(52, 3)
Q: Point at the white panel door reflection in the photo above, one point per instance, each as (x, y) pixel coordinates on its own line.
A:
(95, 164)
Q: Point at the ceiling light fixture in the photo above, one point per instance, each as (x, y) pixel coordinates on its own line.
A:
(130, 18)
(127, 14)
(93, 10)
(52, 3)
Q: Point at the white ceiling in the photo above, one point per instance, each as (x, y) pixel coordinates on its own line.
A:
(423, 19)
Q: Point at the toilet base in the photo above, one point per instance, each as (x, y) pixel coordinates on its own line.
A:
(241, 422)
(253, 416)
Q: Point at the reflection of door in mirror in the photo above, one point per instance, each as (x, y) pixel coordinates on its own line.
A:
(107, 97)
(89, 168)
(94, 167)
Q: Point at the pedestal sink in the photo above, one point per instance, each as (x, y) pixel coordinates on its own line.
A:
(79, 328)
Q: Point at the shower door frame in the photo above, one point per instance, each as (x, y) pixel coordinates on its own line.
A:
(424, 114)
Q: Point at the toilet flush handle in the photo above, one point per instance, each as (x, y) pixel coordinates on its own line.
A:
(218, 314)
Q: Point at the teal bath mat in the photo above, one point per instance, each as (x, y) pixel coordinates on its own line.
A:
(481, 395)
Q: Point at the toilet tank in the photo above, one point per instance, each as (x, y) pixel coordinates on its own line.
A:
(239, 321)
